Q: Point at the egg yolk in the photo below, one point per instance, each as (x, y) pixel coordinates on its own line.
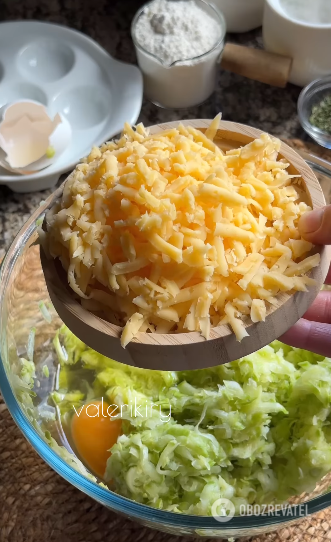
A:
(94, 432)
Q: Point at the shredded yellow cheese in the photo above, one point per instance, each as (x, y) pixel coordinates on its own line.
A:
(166, 233)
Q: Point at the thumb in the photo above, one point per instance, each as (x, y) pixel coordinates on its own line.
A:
(315, 226)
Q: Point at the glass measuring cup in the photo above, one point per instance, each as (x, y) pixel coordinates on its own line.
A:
(183, 83)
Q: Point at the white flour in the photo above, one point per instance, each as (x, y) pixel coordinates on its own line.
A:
(176, 30)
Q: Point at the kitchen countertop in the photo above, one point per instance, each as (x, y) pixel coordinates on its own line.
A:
(108, 22)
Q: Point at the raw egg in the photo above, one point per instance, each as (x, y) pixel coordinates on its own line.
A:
(94, 432)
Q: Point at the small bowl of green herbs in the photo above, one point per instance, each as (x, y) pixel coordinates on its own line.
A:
(314, 110)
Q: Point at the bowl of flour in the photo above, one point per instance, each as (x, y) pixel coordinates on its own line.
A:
(178, 45)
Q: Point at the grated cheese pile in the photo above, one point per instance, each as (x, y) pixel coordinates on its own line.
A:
(166, 233)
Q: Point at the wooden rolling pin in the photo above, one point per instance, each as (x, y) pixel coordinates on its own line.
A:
(257, 64)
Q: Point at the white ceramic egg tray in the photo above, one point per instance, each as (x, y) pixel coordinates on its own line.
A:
(70, 74)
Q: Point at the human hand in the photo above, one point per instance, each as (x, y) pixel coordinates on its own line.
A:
(313, 331)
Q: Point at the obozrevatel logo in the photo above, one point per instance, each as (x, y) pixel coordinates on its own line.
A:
(223, 510)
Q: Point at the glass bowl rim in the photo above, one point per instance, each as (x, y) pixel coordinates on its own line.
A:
(108, 498)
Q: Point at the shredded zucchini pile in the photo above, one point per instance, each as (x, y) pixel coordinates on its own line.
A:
(256, 430)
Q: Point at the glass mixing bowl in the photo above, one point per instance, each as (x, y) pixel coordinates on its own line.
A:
(22, 288)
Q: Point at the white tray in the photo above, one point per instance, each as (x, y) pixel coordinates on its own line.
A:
(71, 74)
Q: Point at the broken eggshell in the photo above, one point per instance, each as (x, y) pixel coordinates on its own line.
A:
(30, 138)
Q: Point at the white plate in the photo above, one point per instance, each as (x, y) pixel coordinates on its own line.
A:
(70, 74)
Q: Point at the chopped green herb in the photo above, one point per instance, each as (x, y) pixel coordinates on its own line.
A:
(45, 312)
(30, 346)
(321, 115)
(46, 371)
(40, 220)
(50, 152)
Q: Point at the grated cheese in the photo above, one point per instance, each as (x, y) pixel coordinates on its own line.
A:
(167, 233)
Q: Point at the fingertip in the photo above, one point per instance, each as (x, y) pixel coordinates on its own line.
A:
(320, 310)
(312, 336)
(310, 222)
(315, 226)
(298, 334)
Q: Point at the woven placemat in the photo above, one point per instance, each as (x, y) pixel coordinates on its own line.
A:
(37, 505)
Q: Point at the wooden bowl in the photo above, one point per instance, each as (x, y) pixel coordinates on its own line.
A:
(190, 350)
